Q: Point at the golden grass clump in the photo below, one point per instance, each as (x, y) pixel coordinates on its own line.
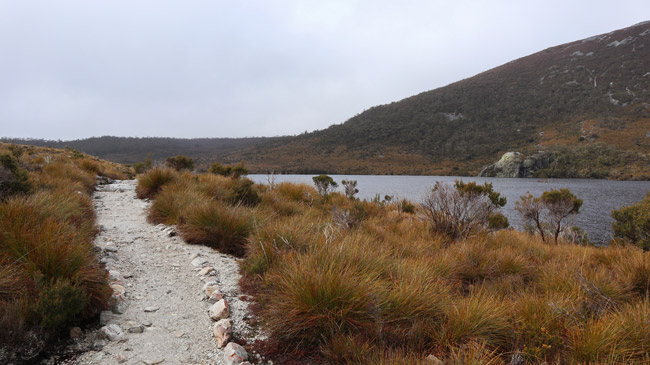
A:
(217, 225)
(174, 201)
(150, 183)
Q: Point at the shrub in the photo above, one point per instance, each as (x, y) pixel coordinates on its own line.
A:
(13, 179)
(462, 210)
(406, 206)
(324, 184)
(242, 191)
(549, 213)
(231, 171)
(180, 162)
(221, 227)
(150, 183)
(633, 223)
(60, 303)
(143, 166)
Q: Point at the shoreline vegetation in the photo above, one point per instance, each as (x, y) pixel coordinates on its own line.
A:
(342, 280)
(337, 279)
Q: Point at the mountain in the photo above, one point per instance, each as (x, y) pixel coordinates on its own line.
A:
(587, 102)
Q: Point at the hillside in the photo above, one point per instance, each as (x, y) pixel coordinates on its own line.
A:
(133, 149)
(590, 95)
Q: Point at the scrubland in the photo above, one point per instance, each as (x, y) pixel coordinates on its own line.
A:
(338, 280)
(50, 278)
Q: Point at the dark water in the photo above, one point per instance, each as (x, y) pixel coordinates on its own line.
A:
(599, 196)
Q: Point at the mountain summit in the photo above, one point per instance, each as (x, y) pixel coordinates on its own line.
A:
(587, 102)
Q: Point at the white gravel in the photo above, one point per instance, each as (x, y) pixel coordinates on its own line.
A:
(156, 271)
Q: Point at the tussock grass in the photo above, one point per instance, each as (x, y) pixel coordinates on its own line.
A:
(340, 280)
(150, 183)
(50, 278)
(219, 226)
(173, 202)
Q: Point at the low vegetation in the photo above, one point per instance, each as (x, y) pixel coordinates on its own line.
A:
(50, 278)
(341, 280)
(632, 223)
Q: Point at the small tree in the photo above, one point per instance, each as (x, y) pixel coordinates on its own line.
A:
(350, 187)
(324, 184)
(463, 209)
(143, 166)
(549, 213)
(180, 162)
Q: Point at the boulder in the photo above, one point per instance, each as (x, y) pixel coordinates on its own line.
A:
(515, 164)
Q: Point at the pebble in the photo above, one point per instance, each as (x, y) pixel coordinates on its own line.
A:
(206, 270)
(199, 261)
(112, 332)
(153, 361)
(113, 275)
(136, 329)
(151, 309)
(98, 345)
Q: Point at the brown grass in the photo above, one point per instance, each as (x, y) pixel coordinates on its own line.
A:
(344, 281)
(50, 278)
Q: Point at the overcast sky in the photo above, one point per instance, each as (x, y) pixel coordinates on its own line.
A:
(189, 68)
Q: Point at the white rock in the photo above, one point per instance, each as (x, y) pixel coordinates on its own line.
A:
(117, 288)
(105, 317)
(151, 309)
(209, 289)
(136, 329)
(112, 332)
(234, 354)
(215, 297)
(206, 270)
(119, 303)
(154, 361)
(222, 331)
(219, 310)
(113, 275)
(199, 261)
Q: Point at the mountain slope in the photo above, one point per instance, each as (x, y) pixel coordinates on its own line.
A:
(592, 91)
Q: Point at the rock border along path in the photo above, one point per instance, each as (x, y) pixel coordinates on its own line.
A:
(173, 303)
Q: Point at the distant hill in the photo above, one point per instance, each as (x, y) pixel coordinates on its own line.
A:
(585, 99)
(131, 149)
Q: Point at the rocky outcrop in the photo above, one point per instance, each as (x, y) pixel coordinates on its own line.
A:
(515, 164)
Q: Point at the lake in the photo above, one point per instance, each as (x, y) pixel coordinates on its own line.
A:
(599, 196)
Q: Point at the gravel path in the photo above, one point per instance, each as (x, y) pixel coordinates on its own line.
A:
(158, 290)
